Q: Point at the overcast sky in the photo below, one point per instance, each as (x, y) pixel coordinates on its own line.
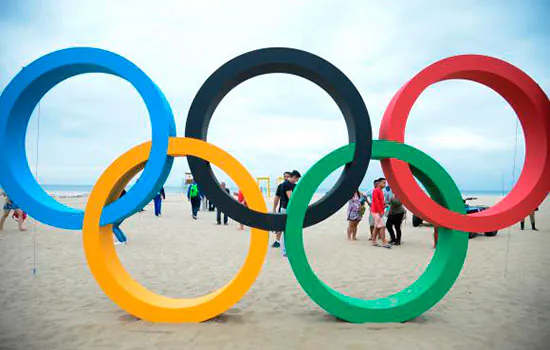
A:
(276, 122)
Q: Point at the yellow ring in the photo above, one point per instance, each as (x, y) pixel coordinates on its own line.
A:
(117, 283)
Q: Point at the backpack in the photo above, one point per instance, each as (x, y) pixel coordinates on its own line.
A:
(193, 191)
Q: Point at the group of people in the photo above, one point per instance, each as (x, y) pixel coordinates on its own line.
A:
(385, 209)
(385, 212)
(280, 203)
(196, 197)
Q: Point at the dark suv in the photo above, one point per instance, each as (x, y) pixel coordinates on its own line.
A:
(416, 221)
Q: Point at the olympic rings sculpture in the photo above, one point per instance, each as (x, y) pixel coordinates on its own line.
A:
(400, 163)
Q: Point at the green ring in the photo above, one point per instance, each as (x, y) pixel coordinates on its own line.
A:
(429, 288)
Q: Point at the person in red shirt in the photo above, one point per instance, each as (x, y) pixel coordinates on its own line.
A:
(240, 199)
(377, 208)
(368, 198)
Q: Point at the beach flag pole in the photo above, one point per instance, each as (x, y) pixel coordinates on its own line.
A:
(513, 182)
(36, 174)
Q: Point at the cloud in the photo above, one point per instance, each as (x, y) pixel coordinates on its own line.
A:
(276, 122)
(456, 139)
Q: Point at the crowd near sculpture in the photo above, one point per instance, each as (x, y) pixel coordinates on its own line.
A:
(442, 204)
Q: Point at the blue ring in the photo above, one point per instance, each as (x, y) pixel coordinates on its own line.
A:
(17, 103)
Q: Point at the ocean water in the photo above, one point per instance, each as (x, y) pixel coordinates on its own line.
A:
(84, 189)
(63, 190)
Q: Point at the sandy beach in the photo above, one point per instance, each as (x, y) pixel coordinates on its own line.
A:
(500, 301)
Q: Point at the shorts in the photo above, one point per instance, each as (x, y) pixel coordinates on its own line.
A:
(281, 211)
(10, 206)
(379, 220)
(371, 220)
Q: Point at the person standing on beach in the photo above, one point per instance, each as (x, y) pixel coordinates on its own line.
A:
(242, 200)
(120, 236)
(286, 192)
(194, 196)
(277, 206)
(356, 209)
(204, 204)
(378, 207)
(388, 194)
(211, 206)
(368, 198)
(158, 201)
(395, 218)
(532, 219)
(218, 211)
(18, 213)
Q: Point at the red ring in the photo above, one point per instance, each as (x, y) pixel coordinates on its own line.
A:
(533, 110)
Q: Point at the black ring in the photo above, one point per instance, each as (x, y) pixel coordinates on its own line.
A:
(302, 64)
